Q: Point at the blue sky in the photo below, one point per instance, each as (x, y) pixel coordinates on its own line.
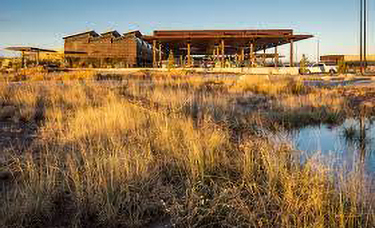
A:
(43, 23)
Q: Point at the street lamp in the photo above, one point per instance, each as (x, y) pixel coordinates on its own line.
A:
(318, 50)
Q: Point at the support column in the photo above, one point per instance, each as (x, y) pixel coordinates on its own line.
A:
(37, 58)
(251, 54)
(188, 55)
(160, 55)
(276, 57)
(22, 59)
(222, 53)
(291, 53)
(255, 55)
(218, 52)
(242, 56)
(171, 60)
(264, 57)
(154, 63)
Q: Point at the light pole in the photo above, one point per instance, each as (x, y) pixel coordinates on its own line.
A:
(296, 53)
(318, 50)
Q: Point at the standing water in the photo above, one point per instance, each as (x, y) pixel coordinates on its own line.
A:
(348, 147)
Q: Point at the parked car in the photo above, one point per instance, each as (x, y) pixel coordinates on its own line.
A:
(208, 64)
(321, 68)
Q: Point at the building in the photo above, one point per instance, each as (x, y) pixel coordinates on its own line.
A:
(238, 47)
(350, 60)
(181, 47)
(110, 49)
(36, 56)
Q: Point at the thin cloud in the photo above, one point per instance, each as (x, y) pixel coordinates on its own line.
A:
(5, 20)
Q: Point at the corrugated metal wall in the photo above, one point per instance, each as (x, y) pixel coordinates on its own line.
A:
(104, 51)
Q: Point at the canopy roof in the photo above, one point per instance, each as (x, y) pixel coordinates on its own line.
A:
(203, 41)
(28, 49)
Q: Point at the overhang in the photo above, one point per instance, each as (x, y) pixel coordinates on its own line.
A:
(28, 49)
(206, 40)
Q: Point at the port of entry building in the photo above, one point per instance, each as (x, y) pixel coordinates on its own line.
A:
(180, 47)
(109, 49)
(235, 46)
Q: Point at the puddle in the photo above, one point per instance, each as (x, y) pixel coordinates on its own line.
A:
(345, 147)
(333, 83)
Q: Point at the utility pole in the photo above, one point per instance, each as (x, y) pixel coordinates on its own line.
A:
(365, 33)
(363, 36)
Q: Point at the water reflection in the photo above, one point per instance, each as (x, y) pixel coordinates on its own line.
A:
(336, 83)
(348, 147)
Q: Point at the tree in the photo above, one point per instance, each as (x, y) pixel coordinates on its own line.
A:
(342, 67)
(303, 64)
(171, 59)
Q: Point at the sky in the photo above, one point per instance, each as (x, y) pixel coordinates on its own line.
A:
(43, 23)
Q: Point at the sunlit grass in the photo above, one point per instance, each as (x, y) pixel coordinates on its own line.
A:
(176, 150)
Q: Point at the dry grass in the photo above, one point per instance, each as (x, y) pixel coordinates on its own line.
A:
(272, 85)
(36, 74)
(135, 155)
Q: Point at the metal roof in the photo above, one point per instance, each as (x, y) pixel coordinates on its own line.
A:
(114, 33)
(28, 49)
(92, 32)
(203, 40)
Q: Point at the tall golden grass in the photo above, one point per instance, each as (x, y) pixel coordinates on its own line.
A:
(136, 155)
(35, 74)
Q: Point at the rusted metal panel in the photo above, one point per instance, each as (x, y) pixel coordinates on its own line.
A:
(109, 46)
(91, 33)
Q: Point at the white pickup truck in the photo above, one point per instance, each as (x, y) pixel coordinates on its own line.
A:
(321, 68)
